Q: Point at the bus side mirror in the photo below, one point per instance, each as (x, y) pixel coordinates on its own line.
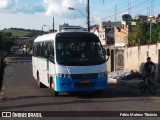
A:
(108, 52)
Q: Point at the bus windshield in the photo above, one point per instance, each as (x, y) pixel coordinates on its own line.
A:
(79, 51)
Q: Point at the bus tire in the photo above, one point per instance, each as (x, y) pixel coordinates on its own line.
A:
(52, 88)
(40, 85)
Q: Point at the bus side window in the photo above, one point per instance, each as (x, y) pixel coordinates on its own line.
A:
(33, 49)
(46, 50)
(51, 52)
(38, 49)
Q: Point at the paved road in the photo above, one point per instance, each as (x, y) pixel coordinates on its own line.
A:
(20, 92)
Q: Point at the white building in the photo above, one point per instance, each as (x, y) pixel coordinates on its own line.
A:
(111, 33)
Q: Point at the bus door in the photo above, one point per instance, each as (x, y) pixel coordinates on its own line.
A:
(51, 62)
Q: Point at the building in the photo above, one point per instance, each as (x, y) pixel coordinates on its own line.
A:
(25, 42)
(155, 18)
(143, 18)
(158, 18)
(111, 33)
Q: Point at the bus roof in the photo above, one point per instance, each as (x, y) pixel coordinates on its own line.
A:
(52, 36)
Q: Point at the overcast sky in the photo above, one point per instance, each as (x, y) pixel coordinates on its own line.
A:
(33, 14)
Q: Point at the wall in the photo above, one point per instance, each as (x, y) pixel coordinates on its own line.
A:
(0, 58)
(135, 57)
(0, 51)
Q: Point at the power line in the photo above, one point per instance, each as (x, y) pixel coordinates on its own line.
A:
(126, 9)
(119, 13)
(142, 8)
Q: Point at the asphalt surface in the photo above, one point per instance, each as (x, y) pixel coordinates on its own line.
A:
(20, 92)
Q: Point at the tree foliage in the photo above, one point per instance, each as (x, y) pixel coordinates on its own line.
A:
(140, 34)
(6, 42)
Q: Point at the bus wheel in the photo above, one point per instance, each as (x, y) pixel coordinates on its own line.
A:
(52, 87)
(40, 85)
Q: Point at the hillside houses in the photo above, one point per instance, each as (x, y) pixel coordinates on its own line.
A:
(116, 33)
(111, 33)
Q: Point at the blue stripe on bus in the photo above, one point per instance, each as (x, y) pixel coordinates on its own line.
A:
(68, 84)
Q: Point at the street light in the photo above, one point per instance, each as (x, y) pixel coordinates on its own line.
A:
(71, 8)
(43, 26)
(87, 17)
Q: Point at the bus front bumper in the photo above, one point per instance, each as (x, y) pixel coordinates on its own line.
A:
(68, 84)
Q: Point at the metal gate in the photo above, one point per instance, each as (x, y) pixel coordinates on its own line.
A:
(117, 62)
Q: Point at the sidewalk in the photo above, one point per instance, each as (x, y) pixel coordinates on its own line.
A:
(134, 83)
(127, 78)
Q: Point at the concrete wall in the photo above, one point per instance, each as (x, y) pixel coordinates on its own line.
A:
(135, 57)
(0, 58)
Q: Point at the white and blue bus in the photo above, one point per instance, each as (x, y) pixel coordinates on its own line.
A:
(69, 61)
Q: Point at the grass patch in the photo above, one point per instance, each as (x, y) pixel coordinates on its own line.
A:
(17, 33)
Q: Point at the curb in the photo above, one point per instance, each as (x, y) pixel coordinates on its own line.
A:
(129, 83)
(134, 83)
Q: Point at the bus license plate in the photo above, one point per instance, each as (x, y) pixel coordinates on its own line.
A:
(84, 81)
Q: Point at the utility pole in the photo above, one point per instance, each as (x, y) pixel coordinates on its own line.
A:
(115, 26)
(151, 17)
(129, 6)
(88, 16)
(103, 1)
(148, 11)
(152, 7)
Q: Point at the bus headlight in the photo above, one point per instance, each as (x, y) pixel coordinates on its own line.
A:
(62, 75)
(102, 74)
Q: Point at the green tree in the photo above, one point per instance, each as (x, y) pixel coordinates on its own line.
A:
(6, 42)
(137, 36)
(140, 34)
(158, 38)
(156, 33)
